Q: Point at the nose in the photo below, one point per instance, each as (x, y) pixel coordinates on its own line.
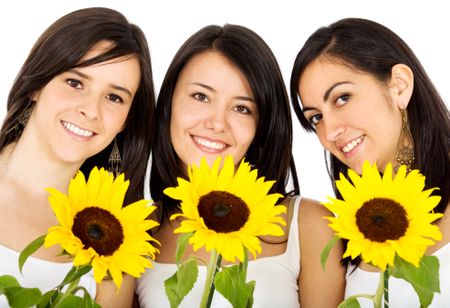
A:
(216, 119)
(333, 128)
(89, 108)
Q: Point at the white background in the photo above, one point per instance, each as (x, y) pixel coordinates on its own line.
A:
(285, 25)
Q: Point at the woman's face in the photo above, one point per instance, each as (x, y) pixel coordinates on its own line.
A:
(355, 115)
(79, 112)
(214, 112)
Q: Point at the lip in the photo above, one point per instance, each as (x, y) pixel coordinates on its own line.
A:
(352, 146)
(76, 131)
(209, 145)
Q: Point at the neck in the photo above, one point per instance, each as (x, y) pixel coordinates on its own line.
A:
(27, 166)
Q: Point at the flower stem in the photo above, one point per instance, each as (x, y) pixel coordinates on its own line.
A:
(378, 296)
(208, 290)
(386, 288)
(71, 289)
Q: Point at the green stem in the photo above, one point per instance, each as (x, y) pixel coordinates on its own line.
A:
(378, 296)
(386, 287)
(71, 288)
(208, 289)
(211, 292)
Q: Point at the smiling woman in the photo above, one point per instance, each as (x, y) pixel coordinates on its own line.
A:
(224, 96)
(362, 90)
(220, 98)
(83, 98)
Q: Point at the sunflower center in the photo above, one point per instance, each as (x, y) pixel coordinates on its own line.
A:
(223, 212)
(99, 229)
(382, 219)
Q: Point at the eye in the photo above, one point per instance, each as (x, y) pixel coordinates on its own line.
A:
(114, 98)
(74, 83)
(242, 109)
(200, 96)
(315, 119)
(343, 99)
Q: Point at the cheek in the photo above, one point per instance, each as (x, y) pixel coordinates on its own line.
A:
(117, 120)
(245, 131)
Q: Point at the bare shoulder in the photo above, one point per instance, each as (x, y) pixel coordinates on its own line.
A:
(313, 225)
(312, 210)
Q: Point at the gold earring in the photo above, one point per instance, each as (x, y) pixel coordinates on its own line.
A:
(115, 160)
(405, 146)
(22, 121)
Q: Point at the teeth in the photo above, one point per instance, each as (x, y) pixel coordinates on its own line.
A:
(351, 145)
(210, 144)
(76, 130)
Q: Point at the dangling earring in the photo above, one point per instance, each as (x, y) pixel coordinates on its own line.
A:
(115, 160)
(22, 121)
(405, 146)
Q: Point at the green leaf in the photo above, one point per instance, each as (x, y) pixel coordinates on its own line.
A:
(88, 302)
(182, 242)
(22, 297)
(181, 282)
(424, 279)
(350, 302)
(230, 282)
(251, 285)
(326, 251)
(30, 249)
(7, 281)
(70, 301)
(75, 273)
(48, 297)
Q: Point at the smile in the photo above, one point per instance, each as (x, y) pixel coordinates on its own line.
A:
(209, 144)
(352, 144)
(77, 130)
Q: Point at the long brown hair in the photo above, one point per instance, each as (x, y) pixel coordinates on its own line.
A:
(60, 48)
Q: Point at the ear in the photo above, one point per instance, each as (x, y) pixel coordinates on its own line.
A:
(35, 96)
(401, 84)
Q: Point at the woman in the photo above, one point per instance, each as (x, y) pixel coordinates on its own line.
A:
(83, 98)
(367, 97)
(223, 94)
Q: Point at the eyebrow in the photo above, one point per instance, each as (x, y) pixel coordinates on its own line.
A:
(244, 98)
(114, 86)
(326, 95)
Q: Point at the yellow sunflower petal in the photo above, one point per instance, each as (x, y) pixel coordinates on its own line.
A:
(100, 267)
(83, 257)
(61, 206)
(77, 192)
(256, 212)
(96, 228)
(395, 200)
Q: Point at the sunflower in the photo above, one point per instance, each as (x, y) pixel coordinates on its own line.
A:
(94, 228)
(384, 215)
(227, 211)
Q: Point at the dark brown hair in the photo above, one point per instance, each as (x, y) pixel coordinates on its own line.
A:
(372, 48)
(270, 150)
(61, 48)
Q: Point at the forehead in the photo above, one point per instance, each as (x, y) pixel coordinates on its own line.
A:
(208, 61)
(324, 72)
(216, 70)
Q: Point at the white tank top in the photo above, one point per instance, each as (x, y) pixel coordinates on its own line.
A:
(276, 279)
(401, 293)
(38, 273)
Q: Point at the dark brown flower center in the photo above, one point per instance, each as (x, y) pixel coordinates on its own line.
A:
(381, 219)
(223, 212)
(99, 229)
